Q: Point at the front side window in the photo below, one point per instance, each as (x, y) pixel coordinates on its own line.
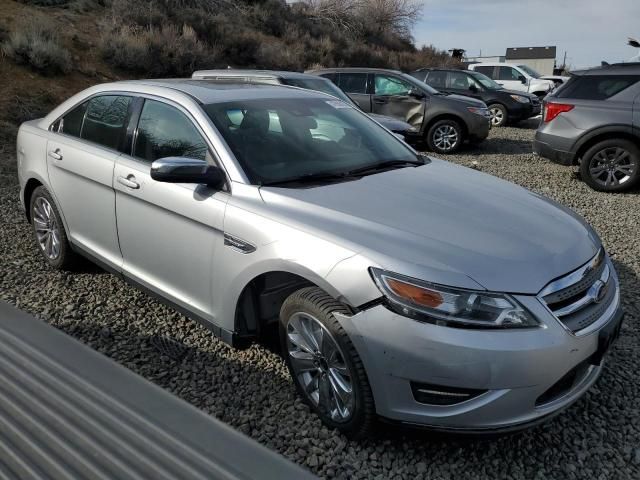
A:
(596, 87)
(164, 131)
(353, 82)
(508, 73)
(105, 119)
(387, 85)
(437, 80)
(460, 81)
(279, 139)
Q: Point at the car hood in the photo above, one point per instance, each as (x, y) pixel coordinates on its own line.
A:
(443, 221)
(472, 102)
(516, 92)
(391, 123)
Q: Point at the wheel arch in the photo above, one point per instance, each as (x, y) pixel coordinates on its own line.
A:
(608, 133)
(29, 188)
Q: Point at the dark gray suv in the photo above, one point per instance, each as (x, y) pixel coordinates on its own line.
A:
(444, 121)
(593, 121)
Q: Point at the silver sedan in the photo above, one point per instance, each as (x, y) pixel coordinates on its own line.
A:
(402, 286)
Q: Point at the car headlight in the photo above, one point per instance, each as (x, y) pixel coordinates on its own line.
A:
(520, 98)
(451, 307)
(484, 112)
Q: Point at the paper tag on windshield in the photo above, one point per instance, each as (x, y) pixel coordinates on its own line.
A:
(338, 104)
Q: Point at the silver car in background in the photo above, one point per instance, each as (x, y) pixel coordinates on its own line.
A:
(403, 286)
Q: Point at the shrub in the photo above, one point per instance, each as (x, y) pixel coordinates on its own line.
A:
(37, 44)
(167, 51)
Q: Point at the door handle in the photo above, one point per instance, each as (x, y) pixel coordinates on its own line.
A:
(379, 100)
(129, 182)
(55, 154)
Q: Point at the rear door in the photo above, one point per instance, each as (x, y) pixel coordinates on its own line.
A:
(356, 85)
(169, 233)
(391, 97)
(437, 79)
(488, 70)
(80, 158)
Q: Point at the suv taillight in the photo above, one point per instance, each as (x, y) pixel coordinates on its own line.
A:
(552, 110)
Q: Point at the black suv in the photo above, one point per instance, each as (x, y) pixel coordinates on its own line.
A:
(444, 121)
(504, 105)
(593, 121)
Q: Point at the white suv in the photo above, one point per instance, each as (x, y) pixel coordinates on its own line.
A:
(515, 77)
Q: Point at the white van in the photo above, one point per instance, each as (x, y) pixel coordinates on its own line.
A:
(515, 77)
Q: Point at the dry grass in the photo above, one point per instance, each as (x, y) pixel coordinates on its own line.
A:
(36, 44)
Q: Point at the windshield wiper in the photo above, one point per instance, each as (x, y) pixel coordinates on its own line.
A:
(382, 166)
(311, 178)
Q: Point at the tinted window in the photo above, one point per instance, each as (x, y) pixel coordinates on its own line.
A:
(460, 81)
(387, 85)
(278, 139)
(319, 85)
(488, 71)
(437, 79)
(330, 76)
(596, 87)
(105, 119)
(72, 121)
(164, 131)
(508, 73)
(353, 82)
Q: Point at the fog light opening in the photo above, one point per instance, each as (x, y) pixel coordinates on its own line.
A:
(430, 394)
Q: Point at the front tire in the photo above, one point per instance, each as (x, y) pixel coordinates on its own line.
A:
(326, 369)
(445, 136)
(498, 115)
(611, 166)
(48, 231)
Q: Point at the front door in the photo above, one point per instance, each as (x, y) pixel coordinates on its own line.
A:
(391, 97)
(461, 83)
(169, 233)
(511, 79)
(80, 162)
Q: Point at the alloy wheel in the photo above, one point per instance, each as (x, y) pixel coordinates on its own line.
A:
(612, 166)
(445, 137)
(46, 227)
(319, 366)
(497, 116)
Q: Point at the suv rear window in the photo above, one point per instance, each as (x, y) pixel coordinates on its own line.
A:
(596, 87)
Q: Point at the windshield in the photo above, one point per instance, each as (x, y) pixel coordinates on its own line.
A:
(530, 71)
(485, 81)
(422, 85)
(280, 139)
(319, 85)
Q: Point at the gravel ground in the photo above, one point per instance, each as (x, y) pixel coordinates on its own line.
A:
(597, 438)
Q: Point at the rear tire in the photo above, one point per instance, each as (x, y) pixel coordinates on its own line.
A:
(445, 136)
(324, 364)
(499, 115)
(611, 166)
(49, 232)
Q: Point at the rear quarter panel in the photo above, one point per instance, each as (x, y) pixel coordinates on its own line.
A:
(31, 150)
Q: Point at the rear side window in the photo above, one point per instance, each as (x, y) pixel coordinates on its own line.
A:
(72, 121)
(596, 87)
(437, 79)
(488, 71)
(353, 82)
(105, 119)
(164, 131)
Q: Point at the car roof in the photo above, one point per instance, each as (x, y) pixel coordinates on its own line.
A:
(613, 69)
(276, 74)
(354, 70)
(216, 92)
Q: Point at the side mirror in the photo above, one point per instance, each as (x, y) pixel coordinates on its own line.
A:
(416, 94)
(187, 170)
(473, 88)
(522, 79)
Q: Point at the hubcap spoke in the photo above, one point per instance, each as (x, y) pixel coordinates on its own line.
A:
(321, 372)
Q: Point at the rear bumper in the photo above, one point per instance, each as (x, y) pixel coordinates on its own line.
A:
(545, 150)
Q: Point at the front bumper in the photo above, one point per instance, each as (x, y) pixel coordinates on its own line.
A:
(477, 127)
(522, 111)
(516, 368)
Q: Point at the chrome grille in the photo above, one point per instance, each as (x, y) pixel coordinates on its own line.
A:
(579, 299)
